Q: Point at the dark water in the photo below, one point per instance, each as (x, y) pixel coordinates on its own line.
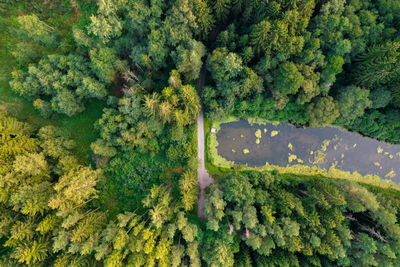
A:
(346, 150)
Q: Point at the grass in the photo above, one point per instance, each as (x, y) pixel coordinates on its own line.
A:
(216, 172)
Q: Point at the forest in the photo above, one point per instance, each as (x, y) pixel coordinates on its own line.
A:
(99, 148)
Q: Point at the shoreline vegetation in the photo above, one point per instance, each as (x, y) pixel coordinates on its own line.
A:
(222, 165)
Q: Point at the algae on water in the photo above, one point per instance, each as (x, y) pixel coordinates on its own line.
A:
(291, 157)
(246, 151)
(290, 146)
(391, 174)
(273, 133)
(258, 133)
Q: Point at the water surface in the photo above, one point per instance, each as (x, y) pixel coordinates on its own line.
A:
(284, 144)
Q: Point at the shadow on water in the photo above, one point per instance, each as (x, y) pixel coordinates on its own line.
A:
(284, 144)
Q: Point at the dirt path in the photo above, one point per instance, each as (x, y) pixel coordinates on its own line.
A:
(203, 178)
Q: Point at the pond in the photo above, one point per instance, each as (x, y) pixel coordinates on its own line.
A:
(283, 145)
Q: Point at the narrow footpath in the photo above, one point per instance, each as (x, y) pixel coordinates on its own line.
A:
(203, 178)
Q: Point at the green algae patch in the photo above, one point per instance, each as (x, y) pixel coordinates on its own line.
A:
(246, 151)
(379, 150)
(258, 133)
(290, 146)
(291, 157)
(390, 174)
(325, 145)
(265, 130)
(273, 133)
(241, 136)
(258, 141)
(319, 157)
(258, 121)
(233, 150)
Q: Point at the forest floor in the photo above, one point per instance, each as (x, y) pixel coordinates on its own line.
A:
(203, 177)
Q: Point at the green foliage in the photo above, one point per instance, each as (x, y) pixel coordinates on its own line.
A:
(128, 179)
(308, 221)
(279, 60)
(378, 65)
(189, 60)
(352, 103)
(380, 97)
(64, 79)
(322, 111)
(287, 79)
(27, 221)
(103, 61)
(36, 30)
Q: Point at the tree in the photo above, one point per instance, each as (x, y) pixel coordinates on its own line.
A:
(103, 61)
(352, 103)
(65, 102)
(107, 24)
(322, 111)
(100, 147)
(189, 189)
(380, 97)
(25, 53)
(44, 107)
(221, 9)
(238, 189)
(379, 64)
(157, 48)
(204, 17)
(92, 88)
(66, 80)
(189, 59)
(287, 78)
(37, 30)
(74, 188)
(31, 253)
(260, 36)
(328, 75)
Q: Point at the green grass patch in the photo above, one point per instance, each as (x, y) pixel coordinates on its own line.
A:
(217, 172)
(81, 126)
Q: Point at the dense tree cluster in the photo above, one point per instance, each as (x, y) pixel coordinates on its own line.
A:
(52, 210)
(60, 83)
(295, 222)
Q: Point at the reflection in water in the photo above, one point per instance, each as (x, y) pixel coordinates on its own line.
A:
(284, 144)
